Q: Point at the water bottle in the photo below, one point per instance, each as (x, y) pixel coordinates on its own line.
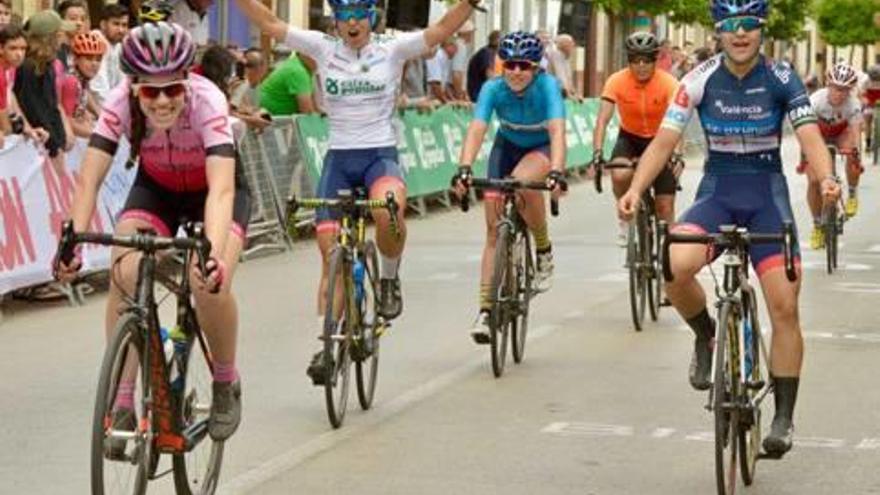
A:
(747, 337)
(167, 344)
(358, 270)
(181, 350)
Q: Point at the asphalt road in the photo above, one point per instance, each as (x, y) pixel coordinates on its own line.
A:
(595, 408)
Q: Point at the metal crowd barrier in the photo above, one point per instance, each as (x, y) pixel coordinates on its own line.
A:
(273, 168)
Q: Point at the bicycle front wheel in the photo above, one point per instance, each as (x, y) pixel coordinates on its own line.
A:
(337, 359)
(655, 277)
(503, 293)
(196, 471)
(830, 239)
(366, 358)
(724, 393)
(121, 454)
(635, 262)
(524, 267)
(750, 430)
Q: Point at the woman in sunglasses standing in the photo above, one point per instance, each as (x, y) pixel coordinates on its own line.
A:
(179, 129)
(742, 99)
(360, 74)
(529, 145)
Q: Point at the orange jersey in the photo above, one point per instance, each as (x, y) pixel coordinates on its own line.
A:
(641, 106)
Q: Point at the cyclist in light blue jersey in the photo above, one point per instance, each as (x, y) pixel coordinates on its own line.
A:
(529, 145)
(742, 99)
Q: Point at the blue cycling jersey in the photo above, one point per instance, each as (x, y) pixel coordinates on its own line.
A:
(524, 117)
(742, 118)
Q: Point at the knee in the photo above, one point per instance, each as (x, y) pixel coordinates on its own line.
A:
(785, 312)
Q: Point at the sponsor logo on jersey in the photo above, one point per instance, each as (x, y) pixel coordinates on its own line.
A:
(352, 87)
(682, 99)
(801, 113)
(738, 110)
(782, 72)
(754, 91)
(676, 116)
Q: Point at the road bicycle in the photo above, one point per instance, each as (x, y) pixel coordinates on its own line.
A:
(352, 324)
(740, 364)
(834, 215)
(172, 382)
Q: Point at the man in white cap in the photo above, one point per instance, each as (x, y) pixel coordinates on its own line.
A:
(465, 39)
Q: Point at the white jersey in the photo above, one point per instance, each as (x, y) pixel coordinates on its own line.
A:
(360, 87)
(834, 120)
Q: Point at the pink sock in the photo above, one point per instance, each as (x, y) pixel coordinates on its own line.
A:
(124, 396)
(225, 372)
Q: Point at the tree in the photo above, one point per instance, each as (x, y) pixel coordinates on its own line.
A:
(787, 19)
(847, 22)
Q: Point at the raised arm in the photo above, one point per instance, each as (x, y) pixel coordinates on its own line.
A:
(449, 24)
(264, 18)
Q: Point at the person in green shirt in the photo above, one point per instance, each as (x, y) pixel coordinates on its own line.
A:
(288, 89)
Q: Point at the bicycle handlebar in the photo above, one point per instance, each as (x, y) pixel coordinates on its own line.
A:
(144, 241)
(347, 204)
(731, 236)
(509, 186)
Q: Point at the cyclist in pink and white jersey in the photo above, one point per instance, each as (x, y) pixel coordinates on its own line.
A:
(360, 73)
(179, 129)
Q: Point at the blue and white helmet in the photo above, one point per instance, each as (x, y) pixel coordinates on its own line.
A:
(521, 46)
(723, 9)
(341, 4)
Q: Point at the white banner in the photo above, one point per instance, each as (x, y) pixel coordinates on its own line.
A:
(34, 200)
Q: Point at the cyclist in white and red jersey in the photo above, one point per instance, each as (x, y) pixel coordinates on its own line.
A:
(360, 74)
(179, 130)
(870, 94)
(839, 113)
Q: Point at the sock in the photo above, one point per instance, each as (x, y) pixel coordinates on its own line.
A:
(388, 266)
(225, 372)
(542, 239)
(124, 396)
(785, 395)
(485, 298)
(702, 325)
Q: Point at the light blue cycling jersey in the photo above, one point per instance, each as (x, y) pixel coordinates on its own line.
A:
(523, 118)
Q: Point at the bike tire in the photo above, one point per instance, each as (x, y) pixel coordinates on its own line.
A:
(367, 364)
(197, 471)
(723, 392)
(337, 359)
(108, 476)
(750, 431)
(525, 270)
(636, 285)
(502, 290)
(830, 227)
(655, 282)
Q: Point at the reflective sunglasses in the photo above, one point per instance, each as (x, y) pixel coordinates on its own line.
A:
(522, 65)
(152, 91)
(345, 15)
(641, 60)
(733, 24)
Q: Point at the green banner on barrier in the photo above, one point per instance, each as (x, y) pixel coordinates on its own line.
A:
(430, 143)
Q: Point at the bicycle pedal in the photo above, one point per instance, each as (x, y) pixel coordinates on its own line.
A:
(758, 385)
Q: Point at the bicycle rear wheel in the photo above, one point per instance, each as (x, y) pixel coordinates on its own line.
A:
(503, 292)
(634, 259)
(337, 360)
(367, 356)
(524, 267)
(724, 392)
(830, 223)
(750, 425)
(197, 471)
(655, 278)
(121, 460)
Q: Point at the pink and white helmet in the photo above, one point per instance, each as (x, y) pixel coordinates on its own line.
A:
(157, 49)
(842, 75)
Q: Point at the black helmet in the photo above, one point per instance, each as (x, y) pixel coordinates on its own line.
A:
(642, 43)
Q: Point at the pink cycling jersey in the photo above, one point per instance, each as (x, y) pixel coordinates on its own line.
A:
(174, 158)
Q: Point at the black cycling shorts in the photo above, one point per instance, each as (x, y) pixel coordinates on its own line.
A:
(631, 146)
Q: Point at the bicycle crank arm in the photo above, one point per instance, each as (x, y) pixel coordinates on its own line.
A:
(195, 434)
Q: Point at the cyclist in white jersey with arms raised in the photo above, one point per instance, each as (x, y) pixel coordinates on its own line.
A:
(360, 74)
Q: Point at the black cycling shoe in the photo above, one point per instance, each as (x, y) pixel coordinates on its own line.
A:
(391, 300)
(700, 370)
(781, 437)
(317, 370)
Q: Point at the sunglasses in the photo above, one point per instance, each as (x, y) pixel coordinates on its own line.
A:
(641, 60)
(522, 65)
(733, 24)
(345, 15)
(152, 91)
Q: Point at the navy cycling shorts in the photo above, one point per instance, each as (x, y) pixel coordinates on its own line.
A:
(759, 202)
(351, 169)
(505, 156)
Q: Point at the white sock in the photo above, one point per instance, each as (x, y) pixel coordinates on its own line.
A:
(388, 266)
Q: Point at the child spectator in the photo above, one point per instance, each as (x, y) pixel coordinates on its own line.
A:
(77, 99)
